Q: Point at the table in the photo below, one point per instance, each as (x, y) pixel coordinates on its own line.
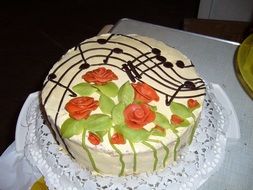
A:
(214, 60)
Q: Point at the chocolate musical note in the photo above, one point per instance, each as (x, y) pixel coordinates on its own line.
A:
(51, 78)
(132, 67)
(161, 59)
(187, 84)
(190, 85)
(104, 41)
(128, 72)
(84, 66)
(181, 64)
(132, 73)
(156, 51)
(115, 50)
(168, 64)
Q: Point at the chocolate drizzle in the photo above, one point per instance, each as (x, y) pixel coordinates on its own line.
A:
(58, 110)
(51, 78)
(81, 52)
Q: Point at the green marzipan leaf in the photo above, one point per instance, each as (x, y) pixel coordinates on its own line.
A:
(106, 104)
(117, 128)
(126, 93)
(153, 108)
(98, 122)
(118, 114)
(180, 110)
(162, 121)
(72, 127)
(133, 135)
(110, 89)
(84, 89)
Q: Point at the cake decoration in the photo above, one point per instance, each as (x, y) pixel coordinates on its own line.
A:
(145, 93)
(127, 100)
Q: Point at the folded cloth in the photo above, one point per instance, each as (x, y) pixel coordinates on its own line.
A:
(15, 170)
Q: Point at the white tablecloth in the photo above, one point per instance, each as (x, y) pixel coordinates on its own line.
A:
(15, 171)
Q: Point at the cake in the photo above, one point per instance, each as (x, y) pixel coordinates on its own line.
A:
(123, 104)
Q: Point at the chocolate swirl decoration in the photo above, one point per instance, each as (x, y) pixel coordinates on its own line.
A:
(138, 66)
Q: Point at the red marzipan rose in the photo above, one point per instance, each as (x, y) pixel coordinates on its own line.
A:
(117, 138)
(81, 107)
(138, 115)
(99, 76)
(145, 93)
(192, 103)
(176, 120)
(93, 138)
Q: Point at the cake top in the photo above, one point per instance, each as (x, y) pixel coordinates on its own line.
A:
(122, 89)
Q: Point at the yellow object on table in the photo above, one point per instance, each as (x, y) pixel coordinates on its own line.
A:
(39, 184)
(244, 64)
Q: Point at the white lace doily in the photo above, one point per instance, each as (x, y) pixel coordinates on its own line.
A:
(196, 163)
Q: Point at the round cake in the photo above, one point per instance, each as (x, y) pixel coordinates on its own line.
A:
(123, 104)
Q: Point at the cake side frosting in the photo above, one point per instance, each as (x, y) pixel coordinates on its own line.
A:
(119, 78)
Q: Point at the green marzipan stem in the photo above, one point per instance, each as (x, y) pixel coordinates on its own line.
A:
(165, 148)
(166, 155)
(193, 130)
(155, 154)
(135, 157)
(88, 153)
(176, 146)
(120, 156)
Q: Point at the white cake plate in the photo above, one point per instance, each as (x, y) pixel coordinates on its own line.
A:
(195, 165)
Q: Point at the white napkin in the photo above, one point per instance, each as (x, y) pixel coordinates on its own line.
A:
(15, 171)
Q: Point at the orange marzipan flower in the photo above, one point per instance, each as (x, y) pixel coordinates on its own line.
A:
(117, 138)
(176, 120)
(81, 107)
(100, 76)
(93, 139)
(192, 103)
(144, 92)
(138, 115)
